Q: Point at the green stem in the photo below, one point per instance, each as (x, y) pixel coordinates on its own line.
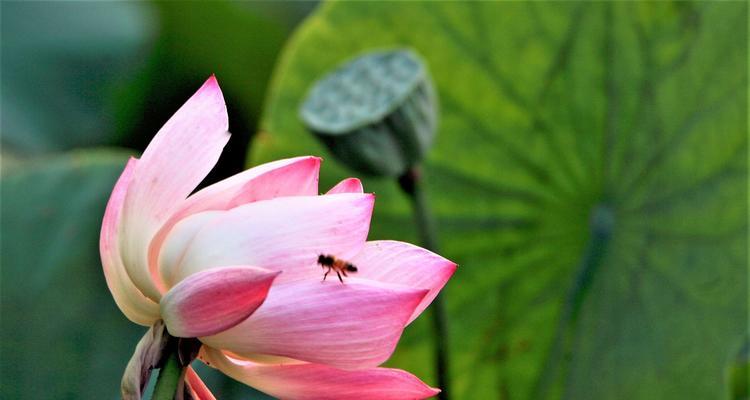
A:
(411, 184)
(169, 377)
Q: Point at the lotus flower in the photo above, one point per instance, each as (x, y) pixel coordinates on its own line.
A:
(234, 265)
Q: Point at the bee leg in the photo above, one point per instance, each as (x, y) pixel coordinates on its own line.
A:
(339, 275)
(326, 274)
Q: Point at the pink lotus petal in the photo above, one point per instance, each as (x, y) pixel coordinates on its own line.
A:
(174, 163)
(173, 250)
(129, 299)
(290, 177)
(214, 300)
(405, 264)
(348, 185)
(318, 382)
(197, 388)
(349, 326)
(284, 234)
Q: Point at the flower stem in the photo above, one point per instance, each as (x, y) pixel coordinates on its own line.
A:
(169, 377)
(411, 184)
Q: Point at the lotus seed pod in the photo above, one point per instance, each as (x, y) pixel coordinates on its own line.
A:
(377, 113)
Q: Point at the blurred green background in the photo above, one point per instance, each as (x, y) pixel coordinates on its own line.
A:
(589, 177)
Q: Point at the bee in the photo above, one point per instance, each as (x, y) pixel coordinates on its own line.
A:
(335, 264)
